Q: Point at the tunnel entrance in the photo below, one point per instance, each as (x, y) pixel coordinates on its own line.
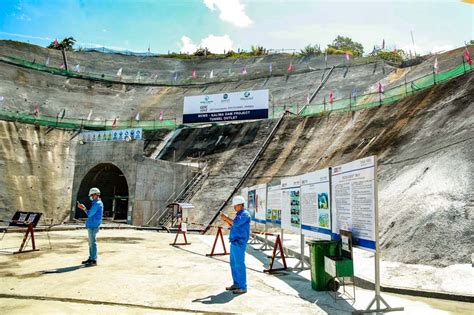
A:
(113, 187)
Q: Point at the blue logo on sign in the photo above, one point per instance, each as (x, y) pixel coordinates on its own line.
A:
(225, 96)
(206, 98)
(247, 94)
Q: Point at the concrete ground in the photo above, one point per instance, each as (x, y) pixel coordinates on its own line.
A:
(139, 273)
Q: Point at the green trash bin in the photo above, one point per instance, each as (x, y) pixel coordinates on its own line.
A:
(319, 249)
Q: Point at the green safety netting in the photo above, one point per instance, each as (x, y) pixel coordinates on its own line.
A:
(348, 104)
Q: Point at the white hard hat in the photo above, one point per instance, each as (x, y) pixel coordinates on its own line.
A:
(238, 200)
(94, 191)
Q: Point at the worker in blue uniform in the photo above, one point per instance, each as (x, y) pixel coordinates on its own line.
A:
(93, 222)
(238, 237)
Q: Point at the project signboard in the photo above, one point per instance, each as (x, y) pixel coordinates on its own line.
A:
(274, 204)
(353, 188)
(221, 107)
(290, 204)
(315, 204)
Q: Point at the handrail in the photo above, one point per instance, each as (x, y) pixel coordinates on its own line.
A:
(317, 90)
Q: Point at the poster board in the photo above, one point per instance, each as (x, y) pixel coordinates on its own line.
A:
(244, 192)
(252, 201)
(290, 204)
(353, 188)
(316, 204)
(274, 205)
(260, 203)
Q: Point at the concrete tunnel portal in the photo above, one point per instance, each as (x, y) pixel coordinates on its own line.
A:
(113, 187)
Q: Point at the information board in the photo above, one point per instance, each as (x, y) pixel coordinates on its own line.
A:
(274, 204)
(112, 135)
(226, 106)
(315, 204)
(252, 201)
(260, 203)
(290, 204)
(353, 188)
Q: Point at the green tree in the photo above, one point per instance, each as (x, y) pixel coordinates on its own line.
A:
(258, 50)
(67, 43)
(202, 52)
(311, 50)
(346, 44)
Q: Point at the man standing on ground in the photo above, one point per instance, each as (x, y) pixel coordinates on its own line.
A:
(94, 219)
(238, 237)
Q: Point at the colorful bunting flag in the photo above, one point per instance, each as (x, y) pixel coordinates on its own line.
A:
(347, 56)
(211, 75)
(175, 77)
(381, 88)
(77, 68)
(114, 123)
(468, 56)
(119, 72)
(161, 116)
(46, 62)
(354, 93)
(290, 67)
(137, 117)
(194, 74)
(90, 115)
(331, 97)
(244, 70)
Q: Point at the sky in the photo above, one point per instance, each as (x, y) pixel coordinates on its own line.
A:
(184, 25)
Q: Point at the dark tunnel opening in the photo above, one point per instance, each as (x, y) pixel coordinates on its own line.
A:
(113, 187)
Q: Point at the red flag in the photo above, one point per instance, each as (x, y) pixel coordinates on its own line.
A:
(468, 56)
(194, 74)
(381, 89)
(290, 67)
(37, 110)
(161, 116)
(56, 43)
(114, 123)
(331, 97)
(347, 56)
(61, 66)
(244, 70)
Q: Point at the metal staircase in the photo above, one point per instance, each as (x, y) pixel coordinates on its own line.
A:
(191, 187)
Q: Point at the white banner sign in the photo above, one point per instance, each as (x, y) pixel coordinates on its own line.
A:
(290, 204)
(353, 200)
(274, 204)
(315, 204)
(226, 107)
(112, 135)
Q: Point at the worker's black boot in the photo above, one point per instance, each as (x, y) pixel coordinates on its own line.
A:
(85, 262)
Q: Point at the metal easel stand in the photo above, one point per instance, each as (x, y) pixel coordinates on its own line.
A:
(301, 261)
(253, 236)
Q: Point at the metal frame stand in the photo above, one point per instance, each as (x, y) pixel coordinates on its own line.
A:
(219, 233)
(301, 259)
(29, 231)
(278, 244)
(344, 291)
(265, 245)
(177, 234)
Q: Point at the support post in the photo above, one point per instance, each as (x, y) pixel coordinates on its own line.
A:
(301, 262)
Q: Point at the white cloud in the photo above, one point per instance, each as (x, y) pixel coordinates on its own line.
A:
(231, 11)
(215, 44)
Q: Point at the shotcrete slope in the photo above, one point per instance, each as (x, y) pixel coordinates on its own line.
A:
(425, 148)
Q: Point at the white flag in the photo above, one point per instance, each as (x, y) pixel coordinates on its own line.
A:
(119, 72)
(137, 117)
(2, 98)
(307, 99)
(270, 68)
(161, 116)
(89, 116)
(77, 68)
(211, 75)
(436, 66)
(46, 63)
(244, 71)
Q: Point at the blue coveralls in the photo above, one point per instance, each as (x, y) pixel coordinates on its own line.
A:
(94, 220)
(238, 237)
